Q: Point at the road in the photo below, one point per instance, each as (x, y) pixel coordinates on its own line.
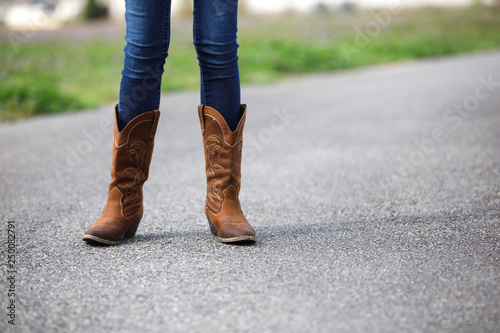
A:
(375, 194)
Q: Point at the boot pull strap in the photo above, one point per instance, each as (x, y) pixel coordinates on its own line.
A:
(154, 125)
(201, 114)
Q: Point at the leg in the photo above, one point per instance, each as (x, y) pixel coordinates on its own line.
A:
(136, 120)
(222, 117)
(214, 35)
(148, 37)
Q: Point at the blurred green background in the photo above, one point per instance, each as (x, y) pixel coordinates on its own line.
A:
(78, 66)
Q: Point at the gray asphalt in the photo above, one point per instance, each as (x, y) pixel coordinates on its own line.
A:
(375, 197)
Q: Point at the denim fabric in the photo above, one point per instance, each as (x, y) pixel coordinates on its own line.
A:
(148, 38)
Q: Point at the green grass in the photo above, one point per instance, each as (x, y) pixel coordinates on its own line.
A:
(53, 76)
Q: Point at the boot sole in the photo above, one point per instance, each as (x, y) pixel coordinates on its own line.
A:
(239, 239)
(95, 239)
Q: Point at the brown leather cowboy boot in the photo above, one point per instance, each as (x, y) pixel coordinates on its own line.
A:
(223, 167)
(132, 152)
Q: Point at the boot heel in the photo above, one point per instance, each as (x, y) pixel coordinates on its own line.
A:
(131, 231)
(212, 227)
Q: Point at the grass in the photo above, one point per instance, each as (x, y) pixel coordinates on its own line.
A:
(38, 77)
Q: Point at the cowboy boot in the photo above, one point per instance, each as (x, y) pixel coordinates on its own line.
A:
(132, 152)
(223, 167)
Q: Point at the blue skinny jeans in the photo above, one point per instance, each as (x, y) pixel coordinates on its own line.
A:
(148, 39)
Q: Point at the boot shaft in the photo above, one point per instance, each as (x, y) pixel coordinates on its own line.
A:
(132, 153)
(223, 149)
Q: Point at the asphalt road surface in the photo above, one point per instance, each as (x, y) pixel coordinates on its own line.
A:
(375, 194)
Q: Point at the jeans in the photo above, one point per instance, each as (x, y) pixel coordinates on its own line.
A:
(148, 38)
